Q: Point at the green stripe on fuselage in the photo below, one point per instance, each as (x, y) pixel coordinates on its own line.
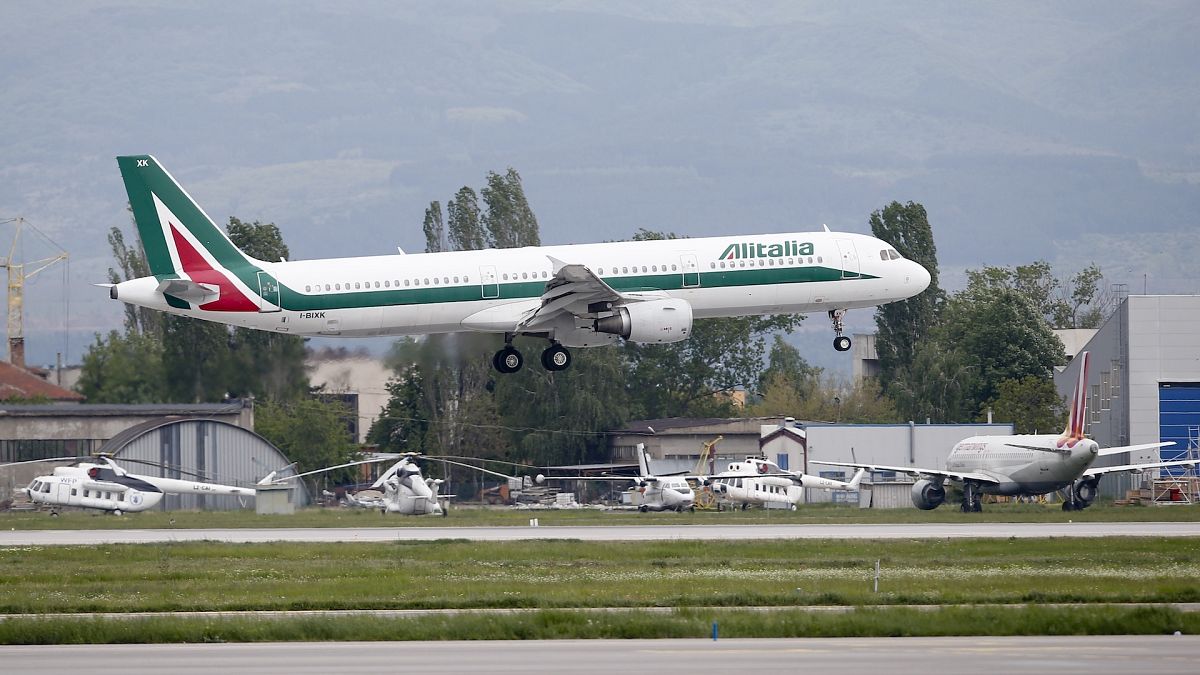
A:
(520, 290)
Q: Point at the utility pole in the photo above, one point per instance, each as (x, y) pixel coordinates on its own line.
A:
(16, 290)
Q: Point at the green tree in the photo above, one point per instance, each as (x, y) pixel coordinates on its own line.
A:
(404, 422)
(261, 363)
(938, 385)
(901, 326)
(1031, 403)
(435, 230)
(465, 229)
(561, 417)
(785, 360)
(123, 369)
(262, 241)
(1003, 336)
(310, 432)
(131, 264)
(196, 360)
(1073, 302)
(509, 219)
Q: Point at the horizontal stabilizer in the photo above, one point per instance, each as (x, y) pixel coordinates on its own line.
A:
(189, 291)
(1104, 452)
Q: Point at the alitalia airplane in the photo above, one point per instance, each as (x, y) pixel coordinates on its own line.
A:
(582, 295)
(1025, 464)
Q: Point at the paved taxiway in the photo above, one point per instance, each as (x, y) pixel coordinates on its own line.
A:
(602, 533)
(1095, 655)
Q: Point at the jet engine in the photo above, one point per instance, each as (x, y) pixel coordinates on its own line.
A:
(653, 321)
(928, 495)
(1085, 491)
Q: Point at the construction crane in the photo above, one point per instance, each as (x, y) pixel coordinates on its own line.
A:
(16, 287)
(706, 466)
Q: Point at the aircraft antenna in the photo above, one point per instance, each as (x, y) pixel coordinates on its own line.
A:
(17, 275)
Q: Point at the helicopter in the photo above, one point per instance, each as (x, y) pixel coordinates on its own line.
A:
(759, 482)
(405, 490)
(101, 484)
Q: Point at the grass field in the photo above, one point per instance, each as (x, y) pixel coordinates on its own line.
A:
(822, 513)
(704, 581)
(571, 574)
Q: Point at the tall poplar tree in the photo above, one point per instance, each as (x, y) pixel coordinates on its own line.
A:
(465, 229)
(903, 325)
(435, 230)
(509, 220)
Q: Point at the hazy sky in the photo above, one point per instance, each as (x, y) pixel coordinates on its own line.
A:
(1065, 131)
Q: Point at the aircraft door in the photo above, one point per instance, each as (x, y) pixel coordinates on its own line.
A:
(488, 283)
(691, 270)
(268, 292)
(849, 259)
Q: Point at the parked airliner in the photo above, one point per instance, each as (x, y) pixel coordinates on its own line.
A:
(582, 295)
(1023, 464)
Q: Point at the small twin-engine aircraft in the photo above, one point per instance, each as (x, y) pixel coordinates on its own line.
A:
(1025, 464)
(103, 485)
(674, 492)
(760, 482)
(658, 493)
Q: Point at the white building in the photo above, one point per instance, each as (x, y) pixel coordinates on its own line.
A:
(361, 378)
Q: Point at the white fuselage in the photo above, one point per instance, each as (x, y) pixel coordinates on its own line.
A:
(668, 494)
(98, 486)
(1020, 470)
(487, 290)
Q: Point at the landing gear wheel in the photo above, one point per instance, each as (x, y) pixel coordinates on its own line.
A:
(117, 512)
(1069, 506)
(692, 508)
(556, 357)
(508, 360)
(840, 342)
(642, 509)
(971, 502)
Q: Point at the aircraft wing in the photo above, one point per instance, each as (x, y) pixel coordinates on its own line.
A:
(1104, 452)
(573, 290)
(958, 476)
(1100, 471)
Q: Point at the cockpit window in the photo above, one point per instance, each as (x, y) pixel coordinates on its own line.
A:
(895, 256)
(884, 255)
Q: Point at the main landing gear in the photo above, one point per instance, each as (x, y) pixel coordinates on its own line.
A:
(841, 342)
(971, 498)
(509, 360)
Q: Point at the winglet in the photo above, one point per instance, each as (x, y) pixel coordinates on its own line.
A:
(826, 227)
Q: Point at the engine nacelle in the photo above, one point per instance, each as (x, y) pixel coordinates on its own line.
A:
(928, 495)
(1085, 491)
(653, 321)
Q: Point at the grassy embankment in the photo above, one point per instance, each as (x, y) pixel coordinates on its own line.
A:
(466, 517)
(707, 580)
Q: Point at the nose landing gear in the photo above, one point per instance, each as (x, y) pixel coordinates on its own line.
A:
(841, 342)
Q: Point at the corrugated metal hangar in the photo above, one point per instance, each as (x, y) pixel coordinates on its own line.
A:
(199, 449)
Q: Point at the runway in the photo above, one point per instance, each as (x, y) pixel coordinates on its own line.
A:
(603, 533)
(1096, 655)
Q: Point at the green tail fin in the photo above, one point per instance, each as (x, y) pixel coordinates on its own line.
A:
(156, 197)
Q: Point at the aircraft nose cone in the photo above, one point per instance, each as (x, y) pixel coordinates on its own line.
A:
(919, 278)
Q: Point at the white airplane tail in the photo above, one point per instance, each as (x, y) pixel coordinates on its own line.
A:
(1075, 423)
(643, 461)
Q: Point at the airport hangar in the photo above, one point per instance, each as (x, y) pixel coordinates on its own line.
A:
(676, 444)
(215, 441)
(1144, 387)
